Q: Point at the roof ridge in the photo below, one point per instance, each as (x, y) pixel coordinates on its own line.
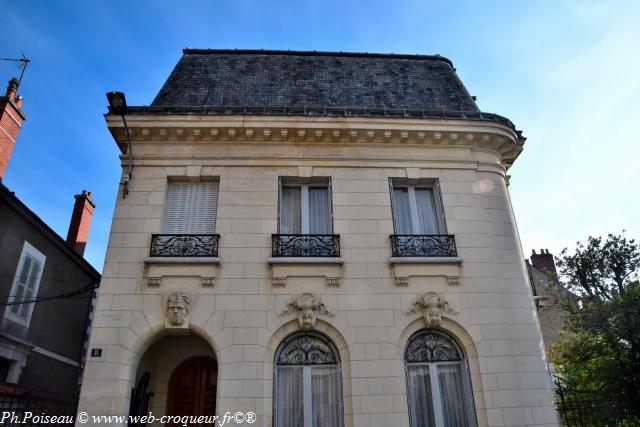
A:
(198, 51)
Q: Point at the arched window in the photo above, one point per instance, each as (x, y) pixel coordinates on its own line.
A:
(438, 383)
(307, 382)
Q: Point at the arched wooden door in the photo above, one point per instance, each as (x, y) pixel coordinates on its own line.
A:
(192, 387)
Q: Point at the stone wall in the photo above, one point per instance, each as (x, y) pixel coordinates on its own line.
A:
(492, 315)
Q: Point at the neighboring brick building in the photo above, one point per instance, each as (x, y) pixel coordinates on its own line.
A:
(546, 291)
(42, 342)
(324, 239)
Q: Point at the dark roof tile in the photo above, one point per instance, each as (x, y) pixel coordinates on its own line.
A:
(260, 79)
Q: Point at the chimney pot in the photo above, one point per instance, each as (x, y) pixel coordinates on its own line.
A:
(18, 101)
(80, 221)
(12, 88)
(543, 261)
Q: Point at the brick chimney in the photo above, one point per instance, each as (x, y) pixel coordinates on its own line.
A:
(543, 261)
(11, 118)
(80, 221)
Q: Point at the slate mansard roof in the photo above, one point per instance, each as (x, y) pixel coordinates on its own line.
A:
(263, 82)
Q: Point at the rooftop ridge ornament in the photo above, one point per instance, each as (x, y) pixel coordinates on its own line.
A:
(432, 307)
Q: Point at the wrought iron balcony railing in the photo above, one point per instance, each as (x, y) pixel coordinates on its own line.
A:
(305, 245)
(184, 245)
(425, 245)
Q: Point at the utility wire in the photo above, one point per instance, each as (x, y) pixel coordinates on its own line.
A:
(51, 279)
(67, 295)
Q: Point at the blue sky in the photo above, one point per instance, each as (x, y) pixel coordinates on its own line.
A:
(565, 72)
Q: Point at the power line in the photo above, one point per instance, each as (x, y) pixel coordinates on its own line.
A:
(49, 279)
(66, 295)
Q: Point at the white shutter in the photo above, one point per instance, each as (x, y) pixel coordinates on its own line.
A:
(26, 286)
(191, 208)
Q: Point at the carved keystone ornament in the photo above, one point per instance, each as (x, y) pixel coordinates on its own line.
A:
(178, 310)
(432, 306)
(307, 306)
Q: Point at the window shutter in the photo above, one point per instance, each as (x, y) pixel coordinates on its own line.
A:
(172, 210)
(26, 286)
(191, 208)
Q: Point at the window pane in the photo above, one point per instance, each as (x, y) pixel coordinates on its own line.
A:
(319, 213)
(290, 211)
(402, 210)
(426, 211)
(290, 402)
(452, 395)
(420, 396)
(324, 396)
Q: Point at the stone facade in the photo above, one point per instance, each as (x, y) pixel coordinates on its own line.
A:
(244, 302)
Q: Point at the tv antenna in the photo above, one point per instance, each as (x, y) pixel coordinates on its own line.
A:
(24, 61)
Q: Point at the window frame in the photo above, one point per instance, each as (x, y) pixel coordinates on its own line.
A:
(27, 249)
(411, 185)
(434, 380)
(307, 391)
(165, 215)
(304, 184)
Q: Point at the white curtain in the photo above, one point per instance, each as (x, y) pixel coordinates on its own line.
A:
(421, 397)
(290, 404)
(426, 211)
(452, 395)
(402, 210)
(324, 396)
(290, 211)
(319, 211)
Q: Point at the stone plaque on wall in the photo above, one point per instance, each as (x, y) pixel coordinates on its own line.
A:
(113, 319)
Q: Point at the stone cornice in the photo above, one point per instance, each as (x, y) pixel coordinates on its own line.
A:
(319, 130)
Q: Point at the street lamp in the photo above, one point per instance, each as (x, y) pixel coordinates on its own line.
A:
(118, 105)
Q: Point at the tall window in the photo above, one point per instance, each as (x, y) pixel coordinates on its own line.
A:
(437, 382)
(25, 285)
(190, 207)
(305, 208)
(307, 382)
(416, 208)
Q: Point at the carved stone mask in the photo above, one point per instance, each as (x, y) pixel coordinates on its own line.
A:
(307, 308)
(432, 306)
(307, 311)
(177, 309)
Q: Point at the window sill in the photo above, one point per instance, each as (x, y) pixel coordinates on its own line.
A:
(306, 260)
(182, 260)
(286, 270)
(425, 260)
(425, 271)
(160, 269)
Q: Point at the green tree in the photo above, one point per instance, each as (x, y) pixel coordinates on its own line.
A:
(599, 352)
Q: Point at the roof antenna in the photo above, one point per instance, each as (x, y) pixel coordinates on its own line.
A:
(23, 65)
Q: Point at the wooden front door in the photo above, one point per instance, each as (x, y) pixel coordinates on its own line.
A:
(192, 388)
